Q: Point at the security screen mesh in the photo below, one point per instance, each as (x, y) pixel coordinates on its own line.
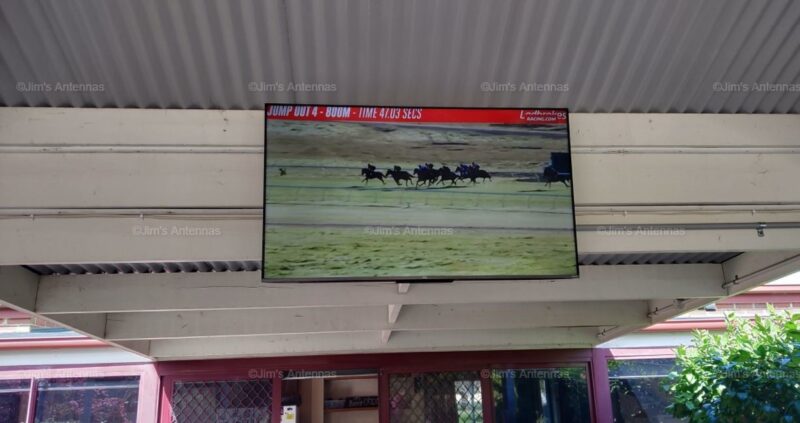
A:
(435, 397)
(244, 401)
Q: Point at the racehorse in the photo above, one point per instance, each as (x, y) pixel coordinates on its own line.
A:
(368, 174)
(472, 173)
(426, 175)
(445, 174)
(399, 175)
(551, 175)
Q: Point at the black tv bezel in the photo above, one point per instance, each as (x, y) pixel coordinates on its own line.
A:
(412, 279)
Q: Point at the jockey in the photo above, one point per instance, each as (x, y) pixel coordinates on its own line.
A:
(475, 166)
(371, 168)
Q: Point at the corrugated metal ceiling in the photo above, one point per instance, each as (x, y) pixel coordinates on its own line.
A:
(612, 55)
(153, 267)
(253, 265)
(657, 258)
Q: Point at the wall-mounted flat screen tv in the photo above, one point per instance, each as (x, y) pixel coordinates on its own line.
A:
(356, 193)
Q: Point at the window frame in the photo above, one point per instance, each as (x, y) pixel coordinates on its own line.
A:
(390, 363)
(216, 374)
(149, 382)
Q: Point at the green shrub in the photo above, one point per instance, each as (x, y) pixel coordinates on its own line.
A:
(750, 373)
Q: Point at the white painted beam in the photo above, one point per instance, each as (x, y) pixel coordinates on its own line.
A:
(18, 287)
(117, 180)
(241, 290)
(214, 159)
(19, 290)
(740, 274)
(682, 130)
(141, 347)
(606, 241)
(392, 315)
(99, 127)
(46, 240)
(417, 318)
(43, 240)
(753, 269)
(210, 323)
(92, 324)
(394, 312)
(661, 214)
(680, 178)
(370, 342)
(629, 169)
(53, 126)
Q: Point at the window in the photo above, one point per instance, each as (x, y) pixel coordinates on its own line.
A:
(555, 395)
(107, 400)
(446, 397)
(636, 394)
(14, 400)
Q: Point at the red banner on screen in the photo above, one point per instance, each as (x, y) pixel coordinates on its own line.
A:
(417, 115)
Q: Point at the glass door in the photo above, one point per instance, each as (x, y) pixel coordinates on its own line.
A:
(541, 395)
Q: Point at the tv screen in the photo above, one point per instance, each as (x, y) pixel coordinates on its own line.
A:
(358, 193)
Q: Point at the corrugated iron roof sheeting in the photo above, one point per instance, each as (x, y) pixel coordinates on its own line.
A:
(253, 265)
(614, 55)
(152, 267)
